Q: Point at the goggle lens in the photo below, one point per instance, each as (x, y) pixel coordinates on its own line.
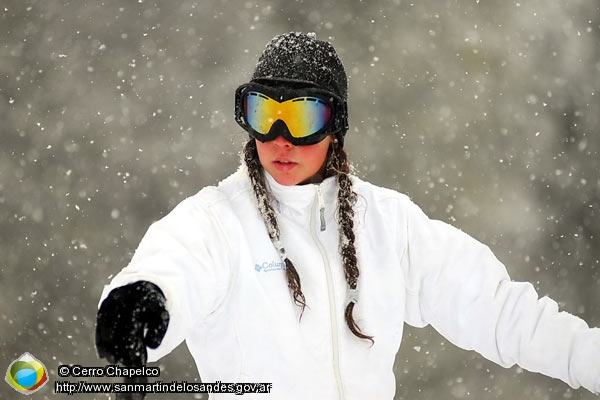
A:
(303, 116)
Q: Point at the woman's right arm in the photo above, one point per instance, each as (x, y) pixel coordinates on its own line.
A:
(183, 254)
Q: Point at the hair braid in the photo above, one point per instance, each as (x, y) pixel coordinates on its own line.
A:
(338, 164)
(266, 210)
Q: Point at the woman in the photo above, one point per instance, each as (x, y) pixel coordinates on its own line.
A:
(293, 271)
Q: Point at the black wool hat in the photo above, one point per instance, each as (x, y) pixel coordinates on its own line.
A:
(299, 58)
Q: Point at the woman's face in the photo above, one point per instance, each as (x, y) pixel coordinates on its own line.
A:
(293, 165)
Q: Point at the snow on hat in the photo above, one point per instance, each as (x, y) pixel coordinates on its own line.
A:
(298, 57)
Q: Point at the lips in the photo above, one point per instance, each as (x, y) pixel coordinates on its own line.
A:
(284, 164)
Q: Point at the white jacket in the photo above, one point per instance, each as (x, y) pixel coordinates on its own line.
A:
(228, 297)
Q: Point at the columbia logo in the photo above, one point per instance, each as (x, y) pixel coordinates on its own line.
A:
(270, 266)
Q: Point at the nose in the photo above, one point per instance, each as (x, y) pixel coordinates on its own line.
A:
(280, 141)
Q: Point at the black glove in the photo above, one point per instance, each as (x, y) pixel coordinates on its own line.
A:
(129, 319)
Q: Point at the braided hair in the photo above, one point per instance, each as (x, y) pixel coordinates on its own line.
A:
(338, 165)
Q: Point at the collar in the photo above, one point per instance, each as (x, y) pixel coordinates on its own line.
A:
(301, 197)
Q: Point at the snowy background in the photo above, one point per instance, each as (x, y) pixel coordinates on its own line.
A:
(486, 113)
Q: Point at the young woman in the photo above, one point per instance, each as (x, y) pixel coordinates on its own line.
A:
(294, 272)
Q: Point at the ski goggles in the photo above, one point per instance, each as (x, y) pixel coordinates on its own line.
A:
(303, 116)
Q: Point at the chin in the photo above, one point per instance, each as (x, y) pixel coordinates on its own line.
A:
(286, 180)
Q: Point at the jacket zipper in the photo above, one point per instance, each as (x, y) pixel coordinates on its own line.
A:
(321, 207)
(332, 314)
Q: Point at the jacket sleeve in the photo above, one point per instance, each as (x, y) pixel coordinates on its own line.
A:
(457, 285)
(180, 254)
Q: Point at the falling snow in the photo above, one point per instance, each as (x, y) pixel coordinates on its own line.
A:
(485, 113)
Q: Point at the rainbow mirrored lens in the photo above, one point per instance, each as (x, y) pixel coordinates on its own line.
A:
(303, 116)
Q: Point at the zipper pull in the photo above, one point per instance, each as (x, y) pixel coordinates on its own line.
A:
(321, 207)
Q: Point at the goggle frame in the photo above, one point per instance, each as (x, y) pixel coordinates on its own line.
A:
(337, 124)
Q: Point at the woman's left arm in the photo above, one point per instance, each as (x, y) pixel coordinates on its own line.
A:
(464, 292)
